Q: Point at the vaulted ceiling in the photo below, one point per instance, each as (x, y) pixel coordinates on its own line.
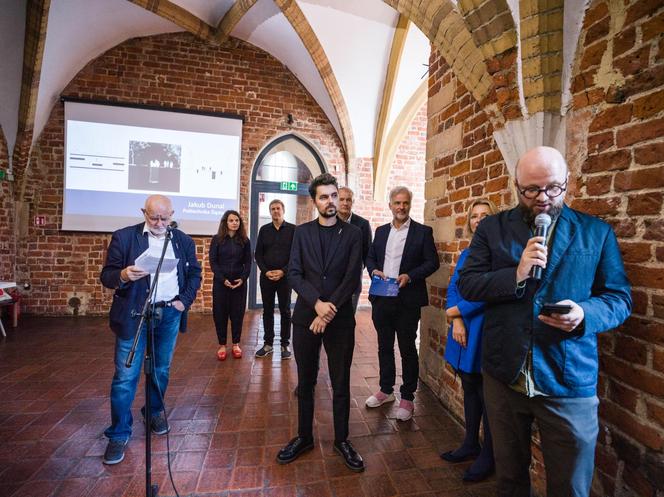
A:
(359, 59)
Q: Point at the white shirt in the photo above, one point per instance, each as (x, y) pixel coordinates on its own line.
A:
(167, 287)
(396, 241)
(347, 220)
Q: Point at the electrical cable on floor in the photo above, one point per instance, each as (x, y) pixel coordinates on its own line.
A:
(168, 427)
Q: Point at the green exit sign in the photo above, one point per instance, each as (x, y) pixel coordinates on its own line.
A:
(2, 174)
(289, 186)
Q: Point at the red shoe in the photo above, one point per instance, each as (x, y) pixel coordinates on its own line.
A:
(221, 354)
(237, 351)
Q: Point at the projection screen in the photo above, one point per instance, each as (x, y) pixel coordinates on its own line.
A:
(115, 156)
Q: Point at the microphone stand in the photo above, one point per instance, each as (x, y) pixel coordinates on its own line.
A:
(148, 316)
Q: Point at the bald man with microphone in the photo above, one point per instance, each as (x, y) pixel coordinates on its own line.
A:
(552, 279)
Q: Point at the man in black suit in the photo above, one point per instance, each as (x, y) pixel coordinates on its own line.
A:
(324, 270)
(404, 250)
(345, 213)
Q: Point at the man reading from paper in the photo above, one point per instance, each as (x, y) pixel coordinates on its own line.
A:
(175, 292)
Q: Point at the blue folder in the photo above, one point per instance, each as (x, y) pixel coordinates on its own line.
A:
(384, 288)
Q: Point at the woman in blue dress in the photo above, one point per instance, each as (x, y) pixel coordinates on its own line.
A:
(463, 352)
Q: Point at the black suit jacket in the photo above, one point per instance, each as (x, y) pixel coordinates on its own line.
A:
(419, 260)
(365, 228)
(332, 280)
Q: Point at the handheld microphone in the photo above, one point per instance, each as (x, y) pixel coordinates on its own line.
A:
(542, 223)
(171, 226)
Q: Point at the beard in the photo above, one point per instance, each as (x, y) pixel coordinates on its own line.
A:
(328, 212)
(529, 213)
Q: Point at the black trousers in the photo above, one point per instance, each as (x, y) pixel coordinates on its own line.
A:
(474, 410)
(228, 304)
(282, 291)
(339, 344)
(391, 317)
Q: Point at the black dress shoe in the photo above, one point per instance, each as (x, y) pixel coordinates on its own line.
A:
(473, 477)
(352, 459)
(449, 456)
(294, 449)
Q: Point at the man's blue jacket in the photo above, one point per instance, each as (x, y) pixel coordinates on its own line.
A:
(584, 265)
(126, 245)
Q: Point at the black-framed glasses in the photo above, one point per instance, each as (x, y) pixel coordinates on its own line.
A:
(155, 219)
(551, 191)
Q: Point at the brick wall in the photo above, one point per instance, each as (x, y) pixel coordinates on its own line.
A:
(174, 70)
(407, 169)
(7, 249)
(617, 131)
(463, 163)
(615, 150)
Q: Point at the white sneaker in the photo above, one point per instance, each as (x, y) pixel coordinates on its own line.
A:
(405, 410)
(378, 399)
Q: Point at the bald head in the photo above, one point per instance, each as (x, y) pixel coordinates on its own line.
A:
(541, 180)
(541, 160)
(158, 211)
(158, 202)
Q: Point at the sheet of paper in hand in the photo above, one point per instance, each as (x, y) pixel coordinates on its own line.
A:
(148, 262)
(384, 288)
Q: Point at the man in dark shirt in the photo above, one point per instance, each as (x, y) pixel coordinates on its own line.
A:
(272, 252)
(324, 270)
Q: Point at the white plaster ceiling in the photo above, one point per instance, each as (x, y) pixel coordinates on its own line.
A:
(78, 31)
(413, 69)
(355, 35)
(210, 11)
(267, 28)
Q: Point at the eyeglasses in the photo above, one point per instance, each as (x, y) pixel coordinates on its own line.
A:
(551, 191)
(155, 219)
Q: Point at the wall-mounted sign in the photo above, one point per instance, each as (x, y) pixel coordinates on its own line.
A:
(40, 220)
(289, 186)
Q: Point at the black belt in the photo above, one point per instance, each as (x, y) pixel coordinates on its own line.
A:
(164, 303)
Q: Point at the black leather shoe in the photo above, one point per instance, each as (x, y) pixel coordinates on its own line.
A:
(294, 449)
(449, 456)
(473, 477)
(352, 459)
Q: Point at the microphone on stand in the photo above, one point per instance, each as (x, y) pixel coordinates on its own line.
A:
(542, 223)
(171, 226)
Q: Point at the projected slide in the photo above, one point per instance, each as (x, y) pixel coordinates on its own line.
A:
(154, 166)
(117, 156)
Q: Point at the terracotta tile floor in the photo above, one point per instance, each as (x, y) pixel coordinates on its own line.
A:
(228, 421)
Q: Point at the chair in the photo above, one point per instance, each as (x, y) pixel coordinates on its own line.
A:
(13, 303)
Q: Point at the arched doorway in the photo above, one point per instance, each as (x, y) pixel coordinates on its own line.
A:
(283, 170)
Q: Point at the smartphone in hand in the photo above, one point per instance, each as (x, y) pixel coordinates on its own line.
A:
(548, 309)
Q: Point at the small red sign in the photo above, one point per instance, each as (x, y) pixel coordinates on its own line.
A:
(261, 197)
(40, 220)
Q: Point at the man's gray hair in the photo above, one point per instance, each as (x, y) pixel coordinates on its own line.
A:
(352, 193)
(400, 189)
